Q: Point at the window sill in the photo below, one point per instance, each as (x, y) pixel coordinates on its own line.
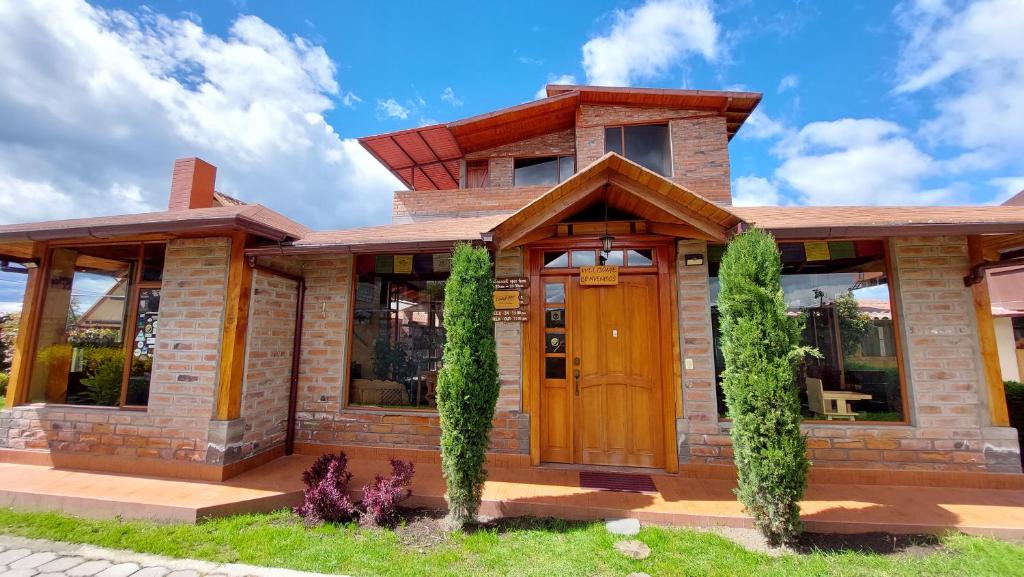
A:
(378, 410)
(64, 406)
(728, 422)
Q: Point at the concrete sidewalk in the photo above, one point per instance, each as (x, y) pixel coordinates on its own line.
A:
(21, 557)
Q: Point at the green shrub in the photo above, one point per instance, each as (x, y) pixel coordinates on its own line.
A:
(760, 344)
(103, 385)
(1014, 391)
(4, 379)
(467, 386)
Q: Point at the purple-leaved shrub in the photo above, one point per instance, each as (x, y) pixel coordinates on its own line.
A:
(326, 495)
(381, 499)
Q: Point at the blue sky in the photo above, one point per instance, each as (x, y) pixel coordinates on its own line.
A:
(913, 102)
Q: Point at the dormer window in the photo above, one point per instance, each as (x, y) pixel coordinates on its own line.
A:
(645, 144)
(543, 170)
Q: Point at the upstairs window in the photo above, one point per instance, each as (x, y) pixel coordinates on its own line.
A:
(477, 174)
(543, 170)
(644, 144)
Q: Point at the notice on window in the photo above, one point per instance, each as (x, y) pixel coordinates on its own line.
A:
(403, 264)
(605, 275)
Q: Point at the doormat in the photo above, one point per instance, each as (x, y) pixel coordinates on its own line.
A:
(622, 482)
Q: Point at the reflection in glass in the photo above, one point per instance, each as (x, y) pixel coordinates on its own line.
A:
(583, 258)
(398, 332)
(80, 347)
(554, 368)
(535, 171)
(613, 258)
(558, 259)
(566, 167)
(845, 302)
(554, 293)
(641, 257)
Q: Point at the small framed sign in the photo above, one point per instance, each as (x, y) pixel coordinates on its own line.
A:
(504, 300)
(599, 275)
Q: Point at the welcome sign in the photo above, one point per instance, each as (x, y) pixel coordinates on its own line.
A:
(605, 275)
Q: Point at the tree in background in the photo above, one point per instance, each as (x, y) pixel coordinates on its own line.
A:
(8, 332)
(760, 344)
(854, 325)
(467, 386)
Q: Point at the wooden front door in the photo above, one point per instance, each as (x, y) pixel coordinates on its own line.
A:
(616, 372)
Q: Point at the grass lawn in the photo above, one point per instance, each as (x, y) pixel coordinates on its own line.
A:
(529, 547)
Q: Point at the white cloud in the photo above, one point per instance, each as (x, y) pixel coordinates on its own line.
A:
(788, 82)
(645, 42)
(851, 161)
(349, 99)
(971, 60)
(754, 191)
(1007, 186)
(552, 79)
(10, 306)
(759, 126)
(448, 95)
(392, 109)
(97, 103)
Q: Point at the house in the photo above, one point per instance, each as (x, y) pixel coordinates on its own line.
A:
(246, 335)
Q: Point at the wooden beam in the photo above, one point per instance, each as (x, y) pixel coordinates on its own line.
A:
(677, 230)
(713, 230)
(514, 235)
(25, 343)
(987, 338)
(236, 323)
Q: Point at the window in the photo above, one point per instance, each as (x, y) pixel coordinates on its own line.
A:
(398, 329)
(637, 257)
(543, 170)
(101, 307)
(477, 174)
(842, 291)
(645, 144)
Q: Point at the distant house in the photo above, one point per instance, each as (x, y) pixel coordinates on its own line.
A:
(247, 335)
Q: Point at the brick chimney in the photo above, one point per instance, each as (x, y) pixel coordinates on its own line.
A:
(192, 184)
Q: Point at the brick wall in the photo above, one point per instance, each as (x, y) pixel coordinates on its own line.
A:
(700, 145)
(322, 417)
(500, 166)
(268, 362)
(184, 375)
(949, 425)
(422, 205)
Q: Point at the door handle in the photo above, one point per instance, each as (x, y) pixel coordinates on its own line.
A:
(576, 374)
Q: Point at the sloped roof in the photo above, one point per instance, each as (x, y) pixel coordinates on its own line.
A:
(427, 158)
(408, 236)
(253, 218)
(623, 185)
(840, 221)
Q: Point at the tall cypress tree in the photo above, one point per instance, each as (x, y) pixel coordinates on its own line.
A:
(467, 387)
(760, 343)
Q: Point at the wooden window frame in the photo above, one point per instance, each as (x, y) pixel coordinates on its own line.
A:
(135, 286)
(897, 328)
(622, 142)
(558, 167)
(346, 382)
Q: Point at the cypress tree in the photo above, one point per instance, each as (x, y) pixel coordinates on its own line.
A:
(467, 386)
(760, 344)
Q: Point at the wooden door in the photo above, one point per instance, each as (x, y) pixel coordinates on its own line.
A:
(617, 409)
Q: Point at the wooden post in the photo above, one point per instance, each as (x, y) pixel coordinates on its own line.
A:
(987, 338)
(236, 321)
(24, 345)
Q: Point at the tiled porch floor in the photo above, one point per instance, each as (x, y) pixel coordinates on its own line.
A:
(520, 491)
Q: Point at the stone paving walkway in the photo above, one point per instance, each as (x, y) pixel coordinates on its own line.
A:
(21, 557)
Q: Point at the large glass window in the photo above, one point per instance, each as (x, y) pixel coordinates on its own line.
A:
(645, 144)
(398, 330)
(842, 291)
(101, 307)
(543, 170)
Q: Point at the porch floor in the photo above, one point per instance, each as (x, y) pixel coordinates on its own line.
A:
(840, 508)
